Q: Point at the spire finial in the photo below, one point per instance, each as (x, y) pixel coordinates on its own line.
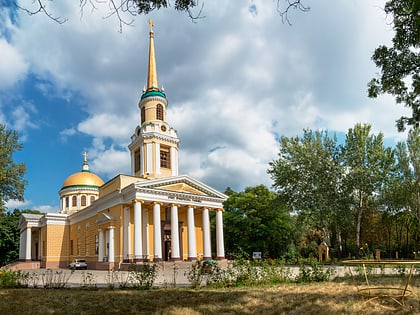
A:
(85, 166)
(151, 25)
(152, 80)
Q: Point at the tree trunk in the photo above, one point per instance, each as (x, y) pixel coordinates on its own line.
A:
(359, 223)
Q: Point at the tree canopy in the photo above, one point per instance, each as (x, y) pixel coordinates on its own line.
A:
(400, 64)
(12, 183)
(256, 221)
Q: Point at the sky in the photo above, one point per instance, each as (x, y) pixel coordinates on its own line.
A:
(236, 81)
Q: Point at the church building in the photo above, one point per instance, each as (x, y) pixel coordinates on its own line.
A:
(154, 214)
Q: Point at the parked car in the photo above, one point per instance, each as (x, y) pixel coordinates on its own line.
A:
(78, 264)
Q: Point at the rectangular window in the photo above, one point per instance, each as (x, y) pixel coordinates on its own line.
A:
(136, 161)
(71, 247)
(165, 157)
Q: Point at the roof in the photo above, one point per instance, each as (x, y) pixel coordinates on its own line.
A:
(83, 179)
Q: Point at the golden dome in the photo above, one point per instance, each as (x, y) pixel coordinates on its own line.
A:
(84, 178)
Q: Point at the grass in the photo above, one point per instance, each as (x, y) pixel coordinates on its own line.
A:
(314, 298)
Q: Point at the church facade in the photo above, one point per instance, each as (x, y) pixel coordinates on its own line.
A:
(154, 214)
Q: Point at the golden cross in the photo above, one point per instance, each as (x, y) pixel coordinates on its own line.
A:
(151, 25)
(85, 156)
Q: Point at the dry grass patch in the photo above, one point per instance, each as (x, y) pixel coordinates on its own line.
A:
(319, 298)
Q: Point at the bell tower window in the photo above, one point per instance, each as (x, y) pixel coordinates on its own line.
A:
(165, 157)
(159, 112)
(143, 115)
(136, 161)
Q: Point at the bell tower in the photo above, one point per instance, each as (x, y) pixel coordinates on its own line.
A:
(154, 144)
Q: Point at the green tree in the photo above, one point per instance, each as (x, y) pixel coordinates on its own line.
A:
(9, 236)
(400, 64)
(400, 198)
(308, 175)
(256, 220)
(367, 163)
(12, 183)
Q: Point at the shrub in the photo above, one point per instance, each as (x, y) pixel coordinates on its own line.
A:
(143, 276)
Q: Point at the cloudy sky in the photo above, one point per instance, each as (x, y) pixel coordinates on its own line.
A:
(236, 81)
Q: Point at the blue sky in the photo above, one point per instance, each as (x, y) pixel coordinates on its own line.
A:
(235, 80)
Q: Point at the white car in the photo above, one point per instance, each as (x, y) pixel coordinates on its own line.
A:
(78, 264)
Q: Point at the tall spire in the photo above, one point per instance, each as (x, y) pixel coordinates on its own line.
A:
(152, 81)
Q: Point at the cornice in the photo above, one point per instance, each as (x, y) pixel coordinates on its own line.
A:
(159, 136)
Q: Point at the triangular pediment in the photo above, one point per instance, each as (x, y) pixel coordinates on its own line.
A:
(181, 184)
(184, 188)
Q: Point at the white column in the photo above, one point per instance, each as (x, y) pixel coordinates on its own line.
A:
(138, 251)
(174, 161)
(127, 234)
(192, 247)
(28, 248)
(132, 155)
(206, 234)
(101, 246)
(149, 160)
(141, 161)
(22, 245)
(157, 157)
(111, 257)
(174, 233)
(157, 237)
(219, 235)
(145, 229)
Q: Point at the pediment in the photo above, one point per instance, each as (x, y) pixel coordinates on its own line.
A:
(105, 218)
(182, 184)
(183, 187)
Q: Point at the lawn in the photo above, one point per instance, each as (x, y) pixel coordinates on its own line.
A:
(337, 297)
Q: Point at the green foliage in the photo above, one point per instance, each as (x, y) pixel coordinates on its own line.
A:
(12, 279)
(12, 184)
(308, 175)
(257, 221)
(195, 274)
(146, 6)
(367, 162)
(400, 64)
(143, 276)
(9, 236)
(315, 272)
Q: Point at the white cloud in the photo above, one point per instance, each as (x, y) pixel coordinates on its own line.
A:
(110, 162)
(12, 65)
(235, 80)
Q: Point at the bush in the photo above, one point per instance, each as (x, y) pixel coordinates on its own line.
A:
(143, 276)
(313, 273)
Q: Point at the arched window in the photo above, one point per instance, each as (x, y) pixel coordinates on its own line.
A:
(143, 115)
(159, 112)
(83, 201)
(74, 201)
(92, 199)
(67, 202)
